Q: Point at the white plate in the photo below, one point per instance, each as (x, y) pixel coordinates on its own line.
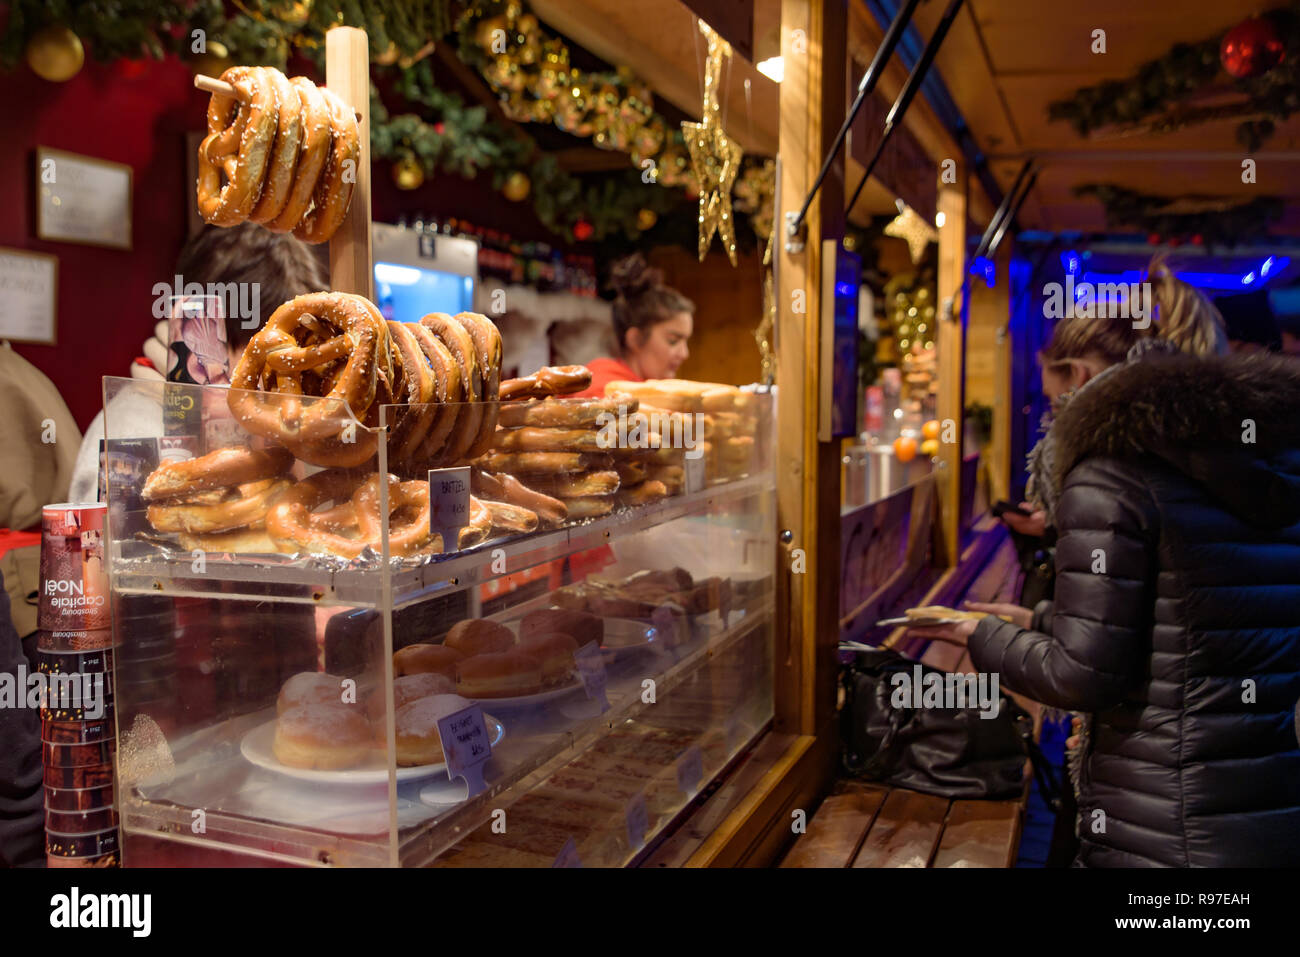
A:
(528, 700)
(256, 747)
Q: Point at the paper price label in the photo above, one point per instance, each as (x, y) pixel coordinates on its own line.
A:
(638, 821)
(690, 770)
(591, 668)
(695, 475)
(467, 746)
(568, 856)
(448, 502)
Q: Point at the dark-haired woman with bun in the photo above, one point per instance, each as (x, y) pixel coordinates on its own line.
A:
(652, 325)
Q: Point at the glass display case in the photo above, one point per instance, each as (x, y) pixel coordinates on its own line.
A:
(300, 665)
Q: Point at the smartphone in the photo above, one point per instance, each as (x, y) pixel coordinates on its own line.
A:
(1001, 508)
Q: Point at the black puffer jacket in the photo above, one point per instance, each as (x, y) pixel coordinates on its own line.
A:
(1176, 620)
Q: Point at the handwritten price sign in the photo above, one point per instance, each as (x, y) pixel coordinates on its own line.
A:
(448, 503)
(467, 746)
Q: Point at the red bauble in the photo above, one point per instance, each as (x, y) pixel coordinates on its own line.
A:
(583, 230)
(1174, 241)
(439, 128)
(1154, 239)
(1198, 240)
(1251, 47)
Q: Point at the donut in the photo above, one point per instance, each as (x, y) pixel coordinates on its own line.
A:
(221, 469)
(544, 462)
(421, 659)
(416, 728)
(565, 413)
(529, 439)
(643, 494)
(478, 636)
(545, 382)
(283, 162)
(324, 737)
(416, 389)
(487, 343)
(241, 131)
(507, 488)
(578, 625)
(578, 484)
(333, 190)
(511, 518)
(406, 689)
(247, 507)
(314, 687)
(313, 148)
(504, 674)
(554, 652)
(456, 337)
(333, 328)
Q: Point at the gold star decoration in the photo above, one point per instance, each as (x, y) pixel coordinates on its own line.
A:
(908, 226)
(715, 156)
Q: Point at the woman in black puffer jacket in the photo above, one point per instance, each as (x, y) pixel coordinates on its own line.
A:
(1176, 621)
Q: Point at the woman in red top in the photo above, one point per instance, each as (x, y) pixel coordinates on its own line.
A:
(652, 324)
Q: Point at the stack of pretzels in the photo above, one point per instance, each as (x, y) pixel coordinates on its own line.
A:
(282, 153)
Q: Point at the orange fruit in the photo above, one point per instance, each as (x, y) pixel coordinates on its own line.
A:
(930, 448)
(931, 429)
(905, 448)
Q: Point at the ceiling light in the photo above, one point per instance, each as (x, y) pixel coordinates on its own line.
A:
(940, 218)
(773, 68)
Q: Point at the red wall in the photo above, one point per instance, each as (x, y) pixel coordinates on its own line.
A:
(105, 296)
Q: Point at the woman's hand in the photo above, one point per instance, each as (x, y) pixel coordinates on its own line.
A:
(954, 634)
(1023, 617)
(1034, 524)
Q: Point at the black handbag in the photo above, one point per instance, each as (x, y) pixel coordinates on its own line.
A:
(950, 752)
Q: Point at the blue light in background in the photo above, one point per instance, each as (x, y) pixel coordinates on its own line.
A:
(844, 289)
(1070, 261)
(1265, 267)
(1247, 279)
(984, 268)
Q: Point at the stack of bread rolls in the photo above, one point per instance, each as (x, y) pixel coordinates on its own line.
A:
(722, 419)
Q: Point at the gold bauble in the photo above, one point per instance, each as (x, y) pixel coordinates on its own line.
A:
(516, 187)
(389, 56)
(293, 13)
(646, 219)
(55, 53)
(408, 173)
(527, 24)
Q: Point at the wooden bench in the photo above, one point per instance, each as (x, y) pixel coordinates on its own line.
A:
(869, 825)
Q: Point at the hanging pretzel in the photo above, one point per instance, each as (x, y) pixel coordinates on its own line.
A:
(238, 146)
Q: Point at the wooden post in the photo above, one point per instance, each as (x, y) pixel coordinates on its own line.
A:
(347, 73)
(812, 106)
(951, 345)
(1000, 445)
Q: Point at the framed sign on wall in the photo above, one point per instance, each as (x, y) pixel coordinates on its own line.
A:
(81, 199)
(28, 286)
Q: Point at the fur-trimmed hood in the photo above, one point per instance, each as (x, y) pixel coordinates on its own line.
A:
(1232, 423)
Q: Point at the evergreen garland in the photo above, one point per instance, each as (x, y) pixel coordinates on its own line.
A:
(1189, 68)
(1217, 224)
